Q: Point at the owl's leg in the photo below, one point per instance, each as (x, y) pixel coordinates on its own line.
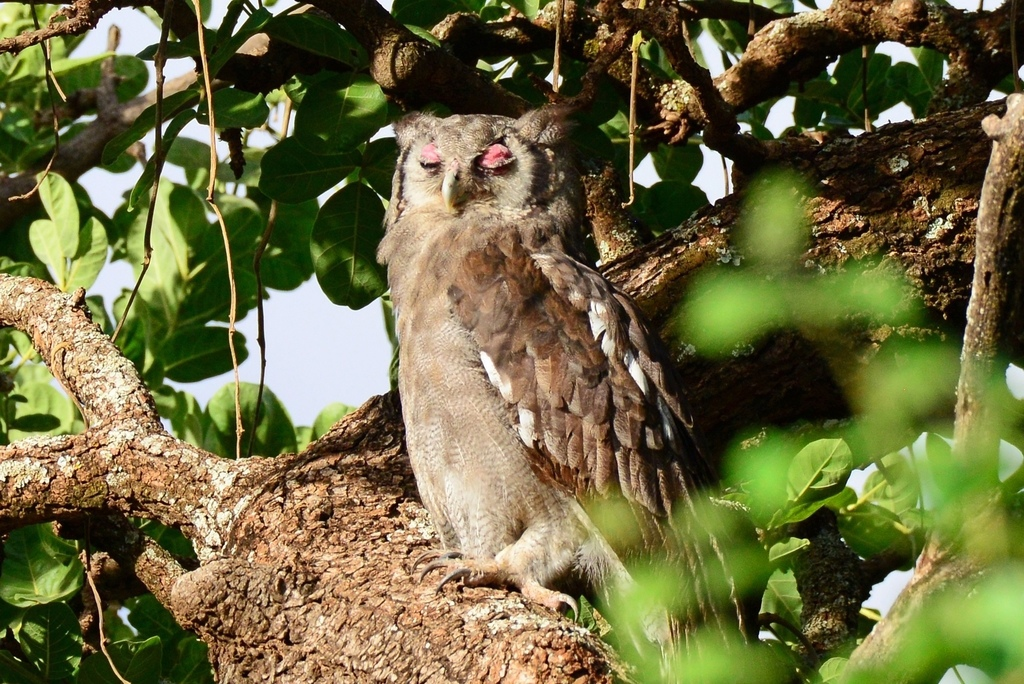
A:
(526, 565)
(487, 572)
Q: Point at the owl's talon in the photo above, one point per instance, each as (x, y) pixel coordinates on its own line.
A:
(441, 562)
(432, 555)
(463, 573)
(555, 600)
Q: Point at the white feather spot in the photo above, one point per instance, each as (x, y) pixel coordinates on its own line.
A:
(598, 313)
(527, 430)
(504, 386)
(637, 373)
(668, 422)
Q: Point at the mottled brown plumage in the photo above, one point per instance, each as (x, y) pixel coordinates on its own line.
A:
(531, 388)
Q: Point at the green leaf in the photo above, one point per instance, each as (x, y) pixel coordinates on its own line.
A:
(831, 671)
(179, 217)
(209, 295)
(666, 204)
(782, 598)
(133, 76)
(931, 63)
(807, 112)
(378, 165)
(869, 529)
(197, 353)
(235, 108)
(183, 411)
(320, 36)
(39, 567)
(144, 185)
(894, 486)
(287, 263)
(35, 422)
(193, 156)
(530, 8)
(192, 663)
(795, 511)
(819, 470)
(678, 162)
(907, 81)
(137, 661)
(92, 255)
(344, 243)
(44, 236)
(730, 35)
(58, 199)
(731, 309)
(291, 172)
(16, 672)
(783, 553)
(151, 619)
(172, 105)
(275, 433)
(341, 112)
(330, 415)
(43, 398)
(253, 24)
(52, 639)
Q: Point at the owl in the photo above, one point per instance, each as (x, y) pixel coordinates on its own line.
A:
(531, 389)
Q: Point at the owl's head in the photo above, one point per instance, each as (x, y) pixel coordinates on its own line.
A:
(483, 165)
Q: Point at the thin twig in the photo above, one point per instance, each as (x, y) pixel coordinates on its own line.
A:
(211, 200)
(257, 262)
(768, 619)
(159, 155)
(99, 615)
(635, 48)
(864, 56)
(51, 86)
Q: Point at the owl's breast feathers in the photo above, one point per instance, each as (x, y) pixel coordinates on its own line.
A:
(588, 388)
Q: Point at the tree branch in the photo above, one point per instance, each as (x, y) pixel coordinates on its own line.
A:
(902, 200)
(81, 153)
(302, 558)
(994, 328)
(79, 17)
(414, 72)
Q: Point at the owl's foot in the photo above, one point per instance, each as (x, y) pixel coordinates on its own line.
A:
(432, 557)
(485, 572)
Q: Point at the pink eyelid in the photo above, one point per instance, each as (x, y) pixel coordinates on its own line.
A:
(429, 155)
(495, 156)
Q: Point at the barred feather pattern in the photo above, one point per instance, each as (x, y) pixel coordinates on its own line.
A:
(591, 394)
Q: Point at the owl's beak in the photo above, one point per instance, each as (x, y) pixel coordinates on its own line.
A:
(451, 192)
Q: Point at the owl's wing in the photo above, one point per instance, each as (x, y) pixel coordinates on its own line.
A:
(589, 389)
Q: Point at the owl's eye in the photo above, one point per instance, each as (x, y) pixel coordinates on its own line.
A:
(429, 157)
(495, 158)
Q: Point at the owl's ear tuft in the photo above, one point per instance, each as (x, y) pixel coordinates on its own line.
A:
(412, 125)
(545, 126)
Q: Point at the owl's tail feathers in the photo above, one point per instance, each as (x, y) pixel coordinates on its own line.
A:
(678, 598)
